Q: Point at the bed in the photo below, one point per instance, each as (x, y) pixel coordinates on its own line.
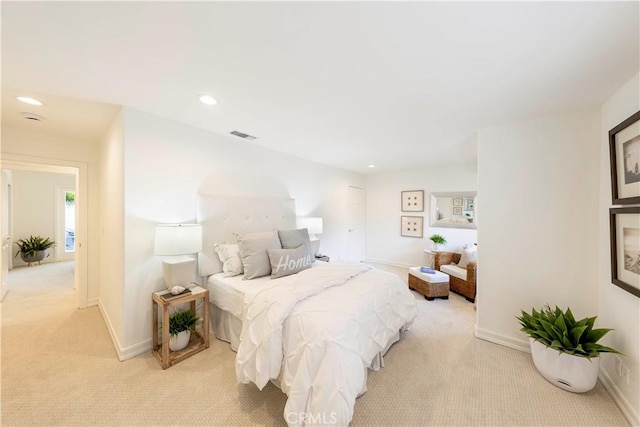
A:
(314, 333)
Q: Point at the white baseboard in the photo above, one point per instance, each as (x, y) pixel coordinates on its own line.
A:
(503, 340)
(107, 321)
(622, 402)
(92, 302)
(134, 350)
(123, 353)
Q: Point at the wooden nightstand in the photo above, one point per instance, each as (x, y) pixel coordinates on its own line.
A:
(199, 341)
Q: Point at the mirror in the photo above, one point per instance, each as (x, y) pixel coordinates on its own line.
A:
(453, 210)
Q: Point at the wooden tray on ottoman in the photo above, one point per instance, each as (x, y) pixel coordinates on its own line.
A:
(430, 285)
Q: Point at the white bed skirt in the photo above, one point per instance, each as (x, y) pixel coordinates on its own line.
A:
(228, 327)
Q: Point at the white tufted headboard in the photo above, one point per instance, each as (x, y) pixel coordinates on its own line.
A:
(221, 216)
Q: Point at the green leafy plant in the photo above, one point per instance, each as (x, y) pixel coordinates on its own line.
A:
(182, 321)
(561, 331)
(31, 245)
(438, 239)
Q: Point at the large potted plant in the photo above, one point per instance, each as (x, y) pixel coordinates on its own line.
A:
(34, 248)
(565, 350)
(181, 324)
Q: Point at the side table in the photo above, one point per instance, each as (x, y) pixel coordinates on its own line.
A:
(198, 342)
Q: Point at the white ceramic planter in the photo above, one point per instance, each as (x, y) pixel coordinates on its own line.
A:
(573, 373)
(180, 341)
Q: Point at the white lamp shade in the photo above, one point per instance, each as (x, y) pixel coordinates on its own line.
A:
(178, 239)
(313, 224)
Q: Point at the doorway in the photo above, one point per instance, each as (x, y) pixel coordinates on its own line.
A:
(78, 172)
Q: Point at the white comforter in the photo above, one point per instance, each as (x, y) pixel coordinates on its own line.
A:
(317, 332)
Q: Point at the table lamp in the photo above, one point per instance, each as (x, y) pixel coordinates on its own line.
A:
(175, 240)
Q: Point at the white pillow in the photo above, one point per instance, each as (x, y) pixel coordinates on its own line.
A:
(468, 255)
(230, 257)
(253, 252)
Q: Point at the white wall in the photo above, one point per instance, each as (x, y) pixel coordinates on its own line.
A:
(617, 308)
(166, 163)
(538, 198)
(111, 238)
(384, 243)
(43, 146)
(35, 207)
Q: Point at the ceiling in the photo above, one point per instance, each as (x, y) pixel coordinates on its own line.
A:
(348, 84)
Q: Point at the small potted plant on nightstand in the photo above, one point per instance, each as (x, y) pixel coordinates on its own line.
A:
(181, 324)
(34, 248)
(438, 241)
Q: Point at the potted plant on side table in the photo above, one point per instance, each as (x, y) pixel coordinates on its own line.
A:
(34, 248)
(564, 350)
(181, 325)
(438, 241)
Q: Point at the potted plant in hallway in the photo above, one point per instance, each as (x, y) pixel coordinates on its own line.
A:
(181, 324)
(438, 241)
(34, 248)
(565, 350)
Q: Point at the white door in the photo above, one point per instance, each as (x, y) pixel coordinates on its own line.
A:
(355, 230)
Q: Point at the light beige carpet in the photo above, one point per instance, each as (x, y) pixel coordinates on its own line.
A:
(59, 368)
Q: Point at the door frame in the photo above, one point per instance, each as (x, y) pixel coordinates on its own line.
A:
(80, 170)
(61, 253)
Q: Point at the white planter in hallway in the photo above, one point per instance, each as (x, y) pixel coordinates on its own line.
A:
(573, 373)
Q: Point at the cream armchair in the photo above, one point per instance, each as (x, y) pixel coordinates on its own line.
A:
(461, 280)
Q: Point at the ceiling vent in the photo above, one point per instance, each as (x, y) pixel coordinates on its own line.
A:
(242, 135)
(32, 116)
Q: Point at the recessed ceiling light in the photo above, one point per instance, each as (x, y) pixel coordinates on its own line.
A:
(207, 99)
(372, 166)
(28, 100)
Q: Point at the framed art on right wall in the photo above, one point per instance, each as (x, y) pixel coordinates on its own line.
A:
(624, 152)
(625, 248)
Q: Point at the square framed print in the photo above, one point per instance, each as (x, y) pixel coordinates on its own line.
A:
(457, 210)
(457, 201)
(624, 158)
(468, 204)
(625, 248)
(411, 226)
(412, 201)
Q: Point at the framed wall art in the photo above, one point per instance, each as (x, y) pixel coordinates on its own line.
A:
(411, 226)
(457, 201)
(457, 210)
(412, 201)
(624, 153)
(625, 248)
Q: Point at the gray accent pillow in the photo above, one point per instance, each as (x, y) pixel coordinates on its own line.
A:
(253, 252)
(285, 262)
(291, 239)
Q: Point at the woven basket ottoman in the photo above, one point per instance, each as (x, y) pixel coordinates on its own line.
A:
(432, 286)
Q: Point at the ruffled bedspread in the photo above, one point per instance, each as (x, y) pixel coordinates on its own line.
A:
(316, 332)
